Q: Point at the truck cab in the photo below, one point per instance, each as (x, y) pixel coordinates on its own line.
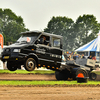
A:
(34, 49)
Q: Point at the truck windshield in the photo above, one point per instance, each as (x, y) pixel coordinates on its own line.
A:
(27, 39)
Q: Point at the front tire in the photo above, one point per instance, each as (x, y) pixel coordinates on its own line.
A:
(30, 64)
(11, 66)
(92, 76)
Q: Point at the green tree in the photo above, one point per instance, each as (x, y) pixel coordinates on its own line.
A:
(62, 26)
(1, 25)
(86, 29)
(13, 29)
(10, 25)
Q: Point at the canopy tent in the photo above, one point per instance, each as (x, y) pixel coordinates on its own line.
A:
(92, 46)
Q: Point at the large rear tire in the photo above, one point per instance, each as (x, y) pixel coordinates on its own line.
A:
(62, 75)
(83, 71)
(82, 75)
(11, 66)
(30, 64)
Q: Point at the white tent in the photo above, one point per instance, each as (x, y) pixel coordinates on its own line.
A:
(93, 46)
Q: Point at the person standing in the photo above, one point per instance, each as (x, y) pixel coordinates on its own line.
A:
(63, 58)
(94, 58)
(90, 57)
(83, 56)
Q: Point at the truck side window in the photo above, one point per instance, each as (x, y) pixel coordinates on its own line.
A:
(44, 40)
(56, 42)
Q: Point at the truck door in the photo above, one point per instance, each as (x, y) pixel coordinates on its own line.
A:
(56, 51)
(42, 50)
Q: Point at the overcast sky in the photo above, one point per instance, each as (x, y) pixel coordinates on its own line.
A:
(37, 13)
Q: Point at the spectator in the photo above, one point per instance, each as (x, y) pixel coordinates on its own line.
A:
(79, 56)
(94, 58)
(69, 57)
(90, 57)
(65, 55)
(82, 56)
(75, 56)
(63, 58)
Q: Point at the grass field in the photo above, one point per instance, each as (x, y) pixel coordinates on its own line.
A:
(47, 83)
(35, 72)
(27, 72)
(41, 82)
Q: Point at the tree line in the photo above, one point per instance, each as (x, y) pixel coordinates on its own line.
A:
(75, 34)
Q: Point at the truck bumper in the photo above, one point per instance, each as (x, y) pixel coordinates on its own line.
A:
(13, 57)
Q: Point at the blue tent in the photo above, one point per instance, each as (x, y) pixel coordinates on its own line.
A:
(89, 48)
(94, 45)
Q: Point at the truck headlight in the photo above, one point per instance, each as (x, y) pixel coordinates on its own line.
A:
(16, 50)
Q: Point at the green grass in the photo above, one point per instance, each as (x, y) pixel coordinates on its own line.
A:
(27, 72)
(41, 82)
(47, 83)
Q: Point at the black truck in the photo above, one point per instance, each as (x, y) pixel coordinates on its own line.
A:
(40, 49)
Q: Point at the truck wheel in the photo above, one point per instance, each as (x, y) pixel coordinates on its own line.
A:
(61, 75)
(11, 66)
(92, 76)
(73, 73)
(83, 71)
(30, 64)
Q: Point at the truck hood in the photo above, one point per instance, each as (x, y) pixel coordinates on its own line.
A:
(16, 45)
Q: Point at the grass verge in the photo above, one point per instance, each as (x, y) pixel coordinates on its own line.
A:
(27, 72)
(48, 83)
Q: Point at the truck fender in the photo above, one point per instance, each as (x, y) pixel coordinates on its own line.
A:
(32, 55)
(76, 71)
(83, 71)
(92, 76)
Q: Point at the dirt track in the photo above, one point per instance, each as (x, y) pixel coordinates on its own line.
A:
(45, 93)
(49, 93)
(28, 77)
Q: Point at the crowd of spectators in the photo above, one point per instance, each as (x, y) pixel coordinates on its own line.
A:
(74, 56)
